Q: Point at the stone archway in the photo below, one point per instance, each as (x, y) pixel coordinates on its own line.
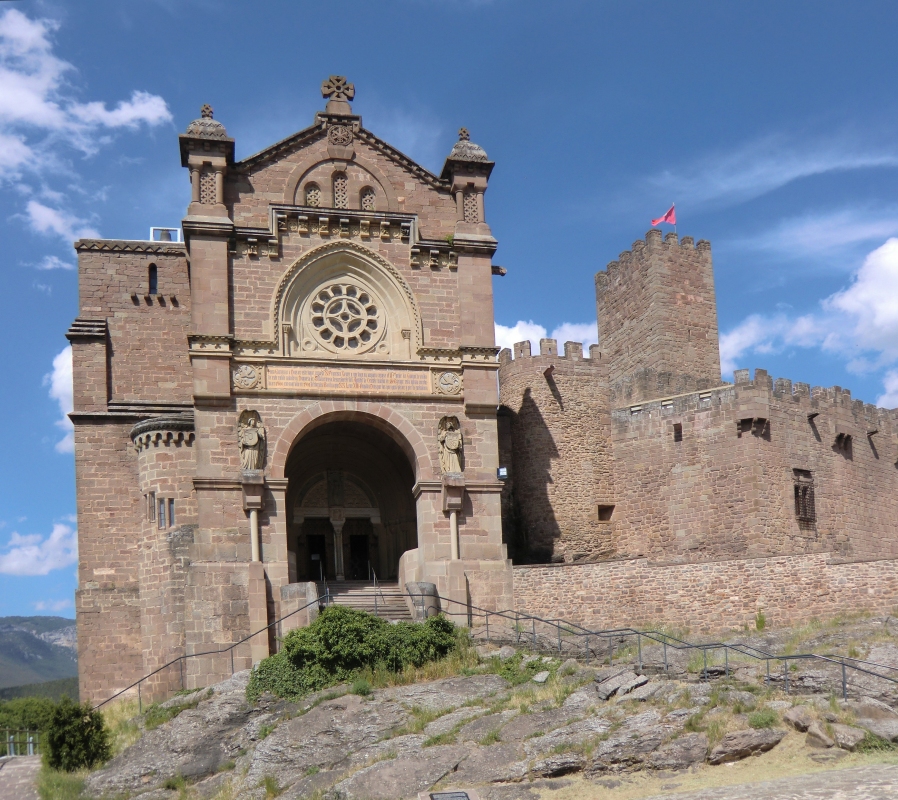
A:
(350, 507)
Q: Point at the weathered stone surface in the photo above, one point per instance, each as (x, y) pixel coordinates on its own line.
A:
(448, 721)
(741, 744)
(631, 744)
(581, 700)
(561, 764)
(633, 683)
(194, 744)
(646, 691)
(506, 652)
(401, 778)
(609, 687)
(818, 737)
(847, 736)
(875, 716)
(575, 733)
(448, 693)
(799, 717)
(541, 677)
(525, 726)
(569, 667)
(493, 764)
(692, 748)
(483, 726)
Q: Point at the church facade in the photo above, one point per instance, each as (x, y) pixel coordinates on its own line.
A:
(307, 388)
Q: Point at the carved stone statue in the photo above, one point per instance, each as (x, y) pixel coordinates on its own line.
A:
(251, 440)
(451, 446)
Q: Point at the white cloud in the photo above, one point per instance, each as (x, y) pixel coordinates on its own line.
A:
(52, 262)
(143, 107)
(60, 383)
(859, 323)
(521, 331)
(764, 165)
(36, 555)
(52, 605)
(44, 219)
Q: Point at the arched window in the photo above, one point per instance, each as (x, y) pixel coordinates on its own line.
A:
(153, 280)
(368, 199)
(313, 195)
(341, 190)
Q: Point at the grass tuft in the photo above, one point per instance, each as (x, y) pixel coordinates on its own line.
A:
(764, 718)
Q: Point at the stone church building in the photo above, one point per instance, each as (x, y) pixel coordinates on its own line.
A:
(307, 389)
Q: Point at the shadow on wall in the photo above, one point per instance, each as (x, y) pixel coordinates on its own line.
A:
(529, 527)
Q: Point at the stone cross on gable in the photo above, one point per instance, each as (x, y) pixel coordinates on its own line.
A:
(206, 111)
(463, 135)
(336, 88)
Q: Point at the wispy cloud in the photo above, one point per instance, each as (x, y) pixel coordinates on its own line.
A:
(766, 164)
(34, 554)
(52, 605)
(53, 262)
(54, 221)
(60, 383)
(521, 331)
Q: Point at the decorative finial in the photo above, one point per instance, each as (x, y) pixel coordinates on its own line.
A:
(206, 111)
(463, 135)
(336, 88)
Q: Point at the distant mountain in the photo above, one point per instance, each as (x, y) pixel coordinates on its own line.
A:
(37, 649)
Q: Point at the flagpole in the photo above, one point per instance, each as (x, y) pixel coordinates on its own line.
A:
(674, 205)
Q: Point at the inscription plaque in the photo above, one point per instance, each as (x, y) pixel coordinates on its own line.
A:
(349, 379)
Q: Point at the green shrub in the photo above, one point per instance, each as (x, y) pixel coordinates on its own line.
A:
(760, 621)
(514, 673)
(765, 718)
(340, 643)
(76, 737)
(362, 687)
(871, 743)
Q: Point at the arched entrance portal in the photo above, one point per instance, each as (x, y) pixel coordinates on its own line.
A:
(350, 504)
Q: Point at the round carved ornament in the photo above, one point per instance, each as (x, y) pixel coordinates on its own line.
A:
(346, 318)
(246, 377)
(449, 383)
(339, 135)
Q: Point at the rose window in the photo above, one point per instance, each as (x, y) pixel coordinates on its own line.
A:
(346, 317)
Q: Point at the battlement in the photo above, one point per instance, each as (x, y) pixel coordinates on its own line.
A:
(573, 351)
(654, 242)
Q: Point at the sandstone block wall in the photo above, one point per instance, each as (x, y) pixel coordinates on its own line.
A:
(706, 597)
(657, 311)
(558, 453)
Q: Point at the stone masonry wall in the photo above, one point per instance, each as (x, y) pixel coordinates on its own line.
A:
(712, 596)
(657, 311)
(560, 457)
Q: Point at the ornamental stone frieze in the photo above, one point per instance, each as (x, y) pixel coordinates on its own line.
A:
(161, 430)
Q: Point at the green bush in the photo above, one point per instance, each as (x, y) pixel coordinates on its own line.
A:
(76, 737)
(342, 642)
(760, 621)
(765, 718)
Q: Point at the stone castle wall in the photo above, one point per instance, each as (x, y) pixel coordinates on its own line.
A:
(707, 597)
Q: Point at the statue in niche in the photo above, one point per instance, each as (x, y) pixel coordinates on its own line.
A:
(251, 440)
(451, 446)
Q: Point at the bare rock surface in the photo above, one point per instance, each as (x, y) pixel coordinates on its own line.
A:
(498, 763)
(692, 748)
(875, 716)
(799, 717)
(742, 744)
(818, 737)
(448, 693)
(847, 736)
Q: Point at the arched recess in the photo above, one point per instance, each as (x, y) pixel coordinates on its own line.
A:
(306, 306)
(305, 167)
(378, 416)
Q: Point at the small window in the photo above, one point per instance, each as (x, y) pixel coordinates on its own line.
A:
(605, 512)
(341, 190)
(171, 512)
(368, 199)
(151, 506)
(153, 280)
(313, 195)
(805, 512)
(678, 432)
(160, 516)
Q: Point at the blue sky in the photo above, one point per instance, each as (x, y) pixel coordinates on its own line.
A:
(774, 127)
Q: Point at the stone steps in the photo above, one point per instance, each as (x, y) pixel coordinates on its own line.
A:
(386, 600)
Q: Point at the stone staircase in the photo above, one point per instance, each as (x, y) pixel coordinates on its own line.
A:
(390, 600)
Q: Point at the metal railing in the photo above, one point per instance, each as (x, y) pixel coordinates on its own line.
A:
(18, 742)
(577, 640)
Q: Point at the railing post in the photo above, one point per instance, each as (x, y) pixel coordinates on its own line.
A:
(181, 663)
(844, 682)
(375, 601)
(767, 679)
(558, 625)
(666, 668)
(726, 661)
(517, 628)
(487, 627)
(533, 643)
(587, 648)
(639, 648)
(610, 649)
(31, 745)
(705, 663)
(786, 675)
(139, 701)
(232, 661)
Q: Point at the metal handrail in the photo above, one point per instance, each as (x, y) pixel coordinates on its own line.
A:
(21, 739)
(377, 589)
(577, 630)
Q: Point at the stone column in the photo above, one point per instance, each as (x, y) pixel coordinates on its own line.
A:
(338, 519)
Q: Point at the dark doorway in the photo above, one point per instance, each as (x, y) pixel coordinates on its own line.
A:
(315, 545)
(358, 557)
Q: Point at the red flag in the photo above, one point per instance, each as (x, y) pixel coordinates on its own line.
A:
(670, 217)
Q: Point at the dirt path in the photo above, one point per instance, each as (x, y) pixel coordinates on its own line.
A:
(17, 776)
(859, 783)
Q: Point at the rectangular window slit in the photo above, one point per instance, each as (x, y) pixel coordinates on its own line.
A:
(605, 512)
(678, 432)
